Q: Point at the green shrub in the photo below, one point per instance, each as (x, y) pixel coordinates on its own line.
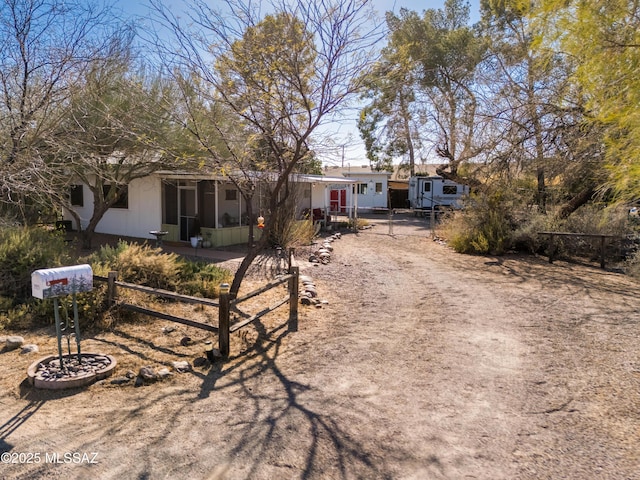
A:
(23, 250)
(202, 279)
(483, 227)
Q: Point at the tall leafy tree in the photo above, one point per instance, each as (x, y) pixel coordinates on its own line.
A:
(389, 124)
(443, 52)
(604, 38)
(277, 78)
(538, 116)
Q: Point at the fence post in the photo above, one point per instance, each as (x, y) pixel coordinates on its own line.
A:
(294, 283)
(111, 288)
(290, 260)
(223, 320)
(552, 248)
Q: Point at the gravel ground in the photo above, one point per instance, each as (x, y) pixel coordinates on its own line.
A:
(424, 364)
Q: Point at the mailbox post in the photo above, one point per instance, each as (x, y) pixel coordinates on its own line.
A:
(63, 281)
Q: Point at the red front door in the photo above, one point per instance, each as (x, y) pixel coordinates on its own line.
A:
(339, 201)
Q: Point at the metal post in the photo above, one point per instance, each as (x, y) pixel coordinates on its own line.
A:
(294, 285)
(602, 250)
(223, 320)
(56, 308)
(76, 323)
(290, 264)
(432, 221)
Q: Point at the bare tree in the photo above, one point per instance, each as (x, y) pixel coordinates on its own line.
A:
(45, 46)
(276, 77)
(112, 132)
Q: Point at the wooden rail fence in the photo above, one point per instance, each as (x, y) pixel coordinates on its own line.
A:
(224, 304)
(603, 242)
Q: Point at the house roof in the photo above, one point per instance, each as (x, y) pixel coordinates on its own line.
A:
(175, 174)
(352, 171)
(324, 179)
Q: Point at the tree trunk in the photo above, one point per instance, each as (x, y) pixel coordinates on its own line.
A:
(407, 133)
(541, 197)
(576, 202)
(99, 209)
(252, 253)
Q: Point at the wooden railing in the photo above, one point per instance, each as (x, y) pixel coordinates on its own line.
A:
(602, 247)
(224, 305)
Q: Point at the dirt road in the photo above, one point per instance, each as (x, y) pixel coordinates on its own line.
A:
(424, 364)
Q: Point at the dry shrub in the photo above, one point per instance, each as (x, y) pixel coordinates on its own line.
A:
(286, 230)
(145, 265)
(148, 266)
(483, 227)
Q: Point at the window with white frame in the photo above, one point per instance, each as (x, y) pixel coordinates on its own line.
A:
(362, 189)
(379, 188)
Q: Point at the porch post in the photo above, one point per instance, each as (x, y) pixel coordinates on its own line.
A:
(354, 201)
(216, 193)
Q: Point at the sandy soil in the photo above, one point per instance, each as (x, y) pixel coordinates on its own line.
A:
(424, 364)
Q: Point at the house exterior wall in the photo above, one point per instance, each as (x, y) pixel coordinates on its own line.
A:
(144, 212)
(368, 197)
(147, 198)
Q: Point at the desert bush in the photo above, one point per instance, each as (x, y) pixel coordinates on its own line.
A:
(483, 227)
(23, 250)
(141, 264)
(145, 265)
(632, 267)
(525, 236)
(202, 279)
(360, 223)
(134, 263)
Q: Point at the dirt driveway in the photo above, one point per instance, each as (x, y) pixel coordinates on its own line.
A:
(424, 364)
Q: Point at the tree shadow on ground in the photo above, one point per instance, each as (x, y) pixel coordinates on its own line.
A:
(287, 408)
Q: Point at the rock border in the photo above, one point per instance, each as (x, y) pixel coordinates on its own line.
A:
(69, 382)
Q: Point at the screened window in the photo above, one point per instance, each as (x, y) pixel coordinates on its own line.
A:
(450, 189)
(207, 203)
(362, 189)
(170, 207)
(378, 187)
(77, 195)
(230, 194)
(123, 196)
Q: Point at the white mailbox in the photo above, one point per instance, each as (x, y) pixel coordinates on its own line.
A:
(56, 282)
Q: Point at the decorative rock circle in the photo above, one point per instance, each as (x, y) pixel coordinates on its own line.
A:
(47, 374)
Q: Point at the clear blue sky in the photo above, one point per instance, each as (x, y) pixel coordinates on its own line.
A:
(344, 133)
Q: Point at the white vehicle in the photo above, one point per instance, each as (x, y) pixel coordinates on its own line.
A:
(435, 193)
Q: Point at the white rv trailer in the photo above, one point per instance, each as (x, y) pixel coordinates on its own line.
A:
(435, 193)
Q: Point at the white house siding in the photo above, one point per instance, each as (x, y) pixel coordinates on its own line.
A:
(144, 212)
(371, 199)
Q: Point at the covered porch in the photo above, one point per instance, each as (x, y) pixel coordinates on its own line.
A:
(213, 212)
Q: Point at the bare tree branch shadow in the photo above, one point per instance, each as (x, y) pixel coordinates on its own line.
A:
(287, 410)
